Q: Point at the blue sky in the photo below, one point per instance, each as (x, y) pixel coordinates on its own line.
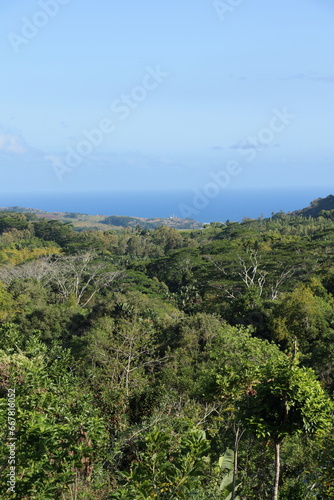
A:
(153, 95)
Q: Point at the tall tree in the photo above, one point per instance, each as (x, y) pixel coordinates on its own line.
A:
(288, 400)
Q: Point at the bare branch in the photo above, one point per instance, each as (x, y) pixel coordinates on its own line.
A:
(286, 273)
(76, 275)
(250, 273)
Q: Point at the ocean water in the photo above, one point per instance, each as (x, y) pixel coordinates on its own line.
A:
(229, 204)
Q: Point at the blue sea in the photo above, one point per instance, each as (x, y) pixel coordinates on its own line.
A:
(233, 204)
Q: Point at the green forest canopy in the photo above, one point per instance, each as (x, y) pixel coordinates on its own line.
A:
(139, 357)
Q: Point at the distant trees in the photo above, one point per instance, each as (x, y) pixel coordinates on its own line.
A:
(79, 276)
(252, 272)
(119, 220)
(11, 220)
(54, 230)
(167, 237)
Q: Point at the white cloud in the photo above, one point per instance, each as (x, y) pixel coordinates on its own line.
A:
(315, 77)
(12, 143)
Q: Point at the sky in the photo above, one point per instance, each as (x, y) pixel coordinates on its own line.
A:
(136, 96)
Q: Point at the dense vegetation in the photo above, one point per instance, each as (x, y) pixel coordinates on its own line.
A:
(165, 364)
(317, 207)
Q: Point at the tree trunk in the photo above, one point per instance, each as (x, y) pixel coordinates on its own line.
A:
(238, 436)
(277, 469)
(235, 469)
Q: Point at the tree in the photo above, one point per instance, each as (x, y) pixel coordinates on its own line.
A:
(78, 276)
(58, 431)
(8, 307)
(305, 317)
(288, 400)
(167, 237)
(124, 356)
(170, 466)
(54, 230)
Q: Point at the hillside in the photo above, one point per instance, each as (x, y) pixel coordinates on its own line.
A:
(316, 207)
(83, 222)
(128, 355)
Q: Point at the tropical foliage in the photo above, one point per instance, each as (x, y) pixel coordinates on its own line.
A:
(165, 364)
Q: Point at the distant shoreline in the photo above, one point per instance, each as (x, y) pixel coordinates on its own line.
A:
(231, 204)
